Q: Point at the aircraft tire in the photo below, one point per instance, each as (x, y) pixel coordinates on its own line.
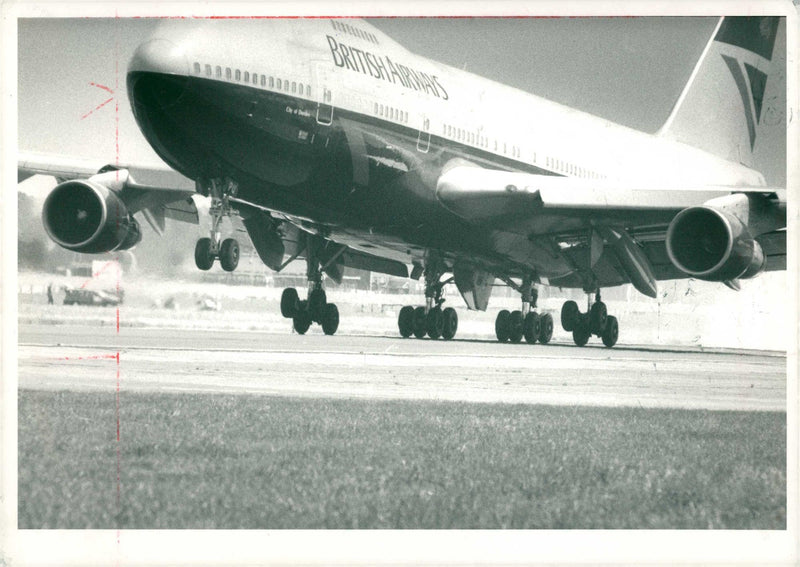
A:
(420, 322)
(530, 327)
(450, 323)
(515, 326)
(501, 326)
(229, 254)
(435, 323)
(330, 318)
(581, 332)
(545, 328)
(569, 314)
(203, 258)
(301, 320)
(405, 321)
(597, 318)
(611, 332)
(289, 301)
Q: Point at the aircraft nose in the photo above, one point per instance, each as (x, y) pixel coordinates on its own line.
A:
(160, 56)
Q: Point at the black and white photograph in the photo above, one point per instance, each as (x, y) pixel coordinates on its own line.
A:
(377, 284)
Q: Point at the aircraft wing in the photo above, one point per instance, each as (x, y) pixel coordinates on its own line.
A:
(157, 191)
(616, 231)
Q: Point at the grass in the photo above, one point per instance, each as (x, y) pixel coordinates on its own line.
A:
(224, 461)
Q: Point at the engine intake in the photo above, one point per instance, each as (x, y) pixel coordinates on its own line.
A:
(713, 245)
(85, 216)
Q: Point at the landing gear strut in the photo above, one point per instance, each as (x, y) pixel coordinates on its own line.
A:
(430, 320)
(596, 321)
(315, 308)
(208, 249)
(512, 326)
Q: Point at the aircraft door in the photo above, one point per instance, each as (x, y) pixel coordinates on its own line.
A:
(424, 136)
(324, 95)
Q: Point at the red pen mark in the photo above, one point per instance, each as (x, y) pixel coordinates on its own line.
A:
(100, 271)
(92, 357)
(99, 86)
(98, 107)
(102, 104)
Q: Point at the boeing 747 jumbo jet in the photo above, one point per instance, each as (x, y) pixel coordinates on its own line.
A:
(335, 144)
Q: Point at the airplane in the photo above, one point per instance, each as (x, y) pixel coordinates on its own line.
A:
(334, 143)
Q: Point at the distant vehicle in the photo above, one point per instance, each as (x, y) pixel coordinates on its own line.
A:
(92, 297)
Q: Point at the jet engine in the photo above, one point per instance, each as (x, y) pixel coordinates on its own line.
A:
(714, 245)
(85, 216)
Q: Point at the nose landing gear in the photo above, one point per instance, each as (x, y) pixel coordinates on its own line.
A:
(513, 326)
(208, 249)
(596, 321)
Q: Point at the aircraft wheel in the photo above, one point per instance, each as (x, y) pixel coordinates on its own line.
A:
(502, 326)
(203, 257)
(289, 301)
(597, 318)
(420, 322)
(569, 313)
(405, 321)
(450, 323)
(229, 254)
(330, 318)
(581, 332)
(545, 328)
(611, 332)
(435, 323)
(317, 299)
(530, 327)
(515, 323)
(302, 319)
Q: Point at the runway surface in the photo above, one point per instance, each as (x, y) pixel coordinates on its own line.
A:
(63, 357)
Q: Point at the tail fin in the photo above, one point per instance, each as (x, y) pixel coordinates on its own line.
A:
(720, 106)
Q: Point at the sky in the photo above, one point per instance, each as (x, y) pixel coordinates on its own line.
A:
(628, 70)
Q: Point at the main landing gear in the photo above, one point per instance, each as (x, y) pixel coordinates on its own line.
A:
(430, 320)
(208, 249)
(596, 321)
(315, 308)
(512, 326)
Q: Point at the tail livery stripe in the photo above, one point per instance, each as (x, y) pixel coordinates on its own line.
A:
(756, 34)
(738, 76)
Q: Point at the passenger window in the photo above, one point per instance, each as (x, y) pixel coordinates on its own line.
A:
(263, 80)
(208, 70)
(376, 108)
(227, 73)
(197, 67)
(381, 110)
(246, 76)
(294, 86)
(300, 88)
(272, 82)
(308, 90)
(255, 78)
(219, 71)
(278, 84)
(238, 75)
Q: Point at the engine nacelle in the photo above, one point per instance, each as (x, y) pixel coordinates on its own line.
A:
(713, 245)
(85, 216)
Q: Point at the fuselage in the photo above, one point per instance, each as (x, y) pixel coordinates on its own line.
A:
(333, 125)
